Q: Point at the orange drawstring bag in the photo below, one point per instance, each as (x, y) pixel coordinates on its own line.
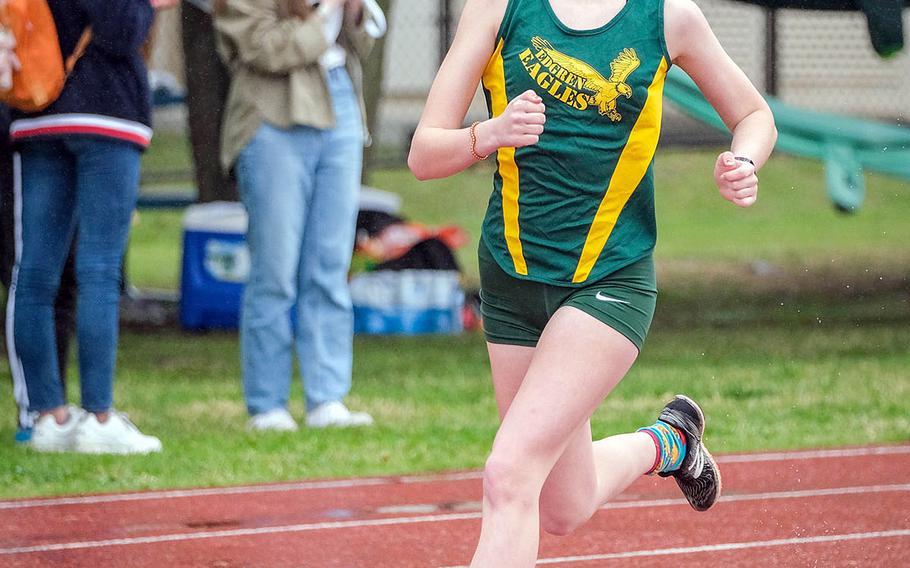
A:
(42, 72)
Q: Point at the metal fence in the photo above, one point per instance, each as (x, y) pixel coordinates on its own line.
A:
(825, 62)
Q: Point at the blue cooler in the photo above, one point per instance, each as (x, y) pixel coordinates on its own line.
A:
(216, 264)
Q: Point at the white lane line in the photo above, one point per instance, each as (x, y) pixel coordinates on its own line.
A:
(728, 546)
(234, 533)
(179, 493)
(814, 454)
(365, 482)
(240, 490)
(335, 525)
(427, 508)
(836, 491)
(431, 478)
(735, 458)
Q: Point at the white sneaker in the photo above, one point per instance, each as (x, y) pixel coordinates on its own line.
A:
(48, 436)
(275, 420)
(336, 414)
(116, 436)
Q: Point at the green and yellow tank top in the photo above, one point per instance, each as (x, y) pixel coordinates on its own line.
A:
(578, 205)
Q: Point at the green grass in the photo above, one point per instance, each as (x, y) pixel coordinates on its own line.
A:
(765, 386)
(793, 226)
(789, 322)
(153, 257)
(169, 151)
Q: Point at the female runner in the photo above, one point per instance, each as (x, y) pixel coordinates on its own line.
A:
(574, 90)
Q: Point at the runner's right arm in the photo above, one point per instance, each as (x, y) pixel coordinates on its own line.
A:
(441, 145)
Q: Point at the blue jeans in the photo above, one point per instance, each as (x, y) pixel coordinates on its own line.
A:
(91, 183)
(300, 187)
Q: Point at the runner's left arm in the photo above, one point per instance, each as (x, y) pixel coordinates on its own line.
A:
(696, 50)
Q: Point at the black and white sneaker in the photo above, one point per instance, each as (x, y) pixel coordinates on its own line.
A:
(698, 476)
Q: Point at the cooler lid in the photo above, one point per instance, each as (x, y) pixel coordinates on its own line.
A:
(216, 217)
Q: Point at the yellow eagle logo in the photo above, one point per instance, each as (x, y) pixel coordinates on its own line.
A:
(603, 92)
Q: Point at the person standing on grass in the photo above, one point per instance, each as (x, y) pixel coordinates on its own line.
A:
(64, 303)
(78, 166)
(574, 89)
(294, 132)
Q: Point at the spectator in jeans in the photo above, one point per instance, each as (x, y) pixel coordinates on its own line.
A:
(80, 167)
(64, 303)
(294, 134)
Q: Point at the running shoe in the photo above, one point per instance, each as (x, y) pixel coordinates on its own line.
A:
(698, 477)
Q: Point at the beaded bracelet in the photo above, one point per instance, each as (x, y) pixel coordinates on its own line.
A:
(474, 153)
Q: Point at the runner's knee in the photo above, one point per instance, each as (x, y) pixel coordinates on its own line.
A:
(561, 519)
(506, 482)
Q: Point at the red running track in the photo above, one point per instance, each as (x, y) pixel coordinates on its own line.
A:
(848, 507)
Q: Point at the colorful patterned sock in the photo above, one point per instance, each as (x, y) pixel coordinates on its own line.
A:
(671, 446)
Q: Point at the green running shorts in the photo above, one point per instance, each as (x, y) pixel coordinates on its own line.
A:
(515, 311)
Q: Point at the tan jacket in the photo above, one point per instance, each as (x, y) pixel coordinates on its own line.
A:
(273, 57)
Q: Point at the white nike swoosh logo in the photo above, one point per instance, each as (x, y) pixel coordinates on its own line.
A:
(603, 298)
